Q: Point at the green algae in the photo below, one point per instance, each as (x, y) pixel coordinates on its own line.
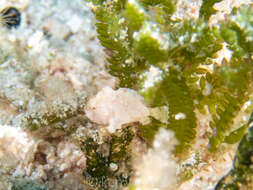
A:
(180, 50)
(98, 173)
(241, 176)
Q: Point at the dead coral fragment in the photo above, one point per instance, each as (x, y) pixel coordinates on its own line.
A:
(116, 107)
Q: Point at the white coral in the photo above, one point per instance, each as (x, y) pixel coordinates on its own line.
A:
(157, 168)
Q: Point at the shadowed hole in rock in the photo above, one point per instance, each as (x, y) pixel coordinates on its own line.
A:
(41, 158)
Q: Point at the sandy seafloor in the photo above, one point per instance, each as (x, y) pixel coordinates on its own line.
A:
(53, 58)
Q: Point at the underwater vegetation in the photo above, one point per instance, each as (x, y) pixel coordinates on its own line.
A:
(171, 63)
(100, 171)
(241, 176)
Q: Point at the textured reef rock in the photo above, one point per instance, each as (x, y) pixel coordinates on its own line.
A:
(25, 155)
(44, 84)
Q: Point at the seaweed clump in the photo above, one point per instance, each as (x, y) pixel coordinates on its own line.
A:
(108, 162)
(241, 176)
(171, 62)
